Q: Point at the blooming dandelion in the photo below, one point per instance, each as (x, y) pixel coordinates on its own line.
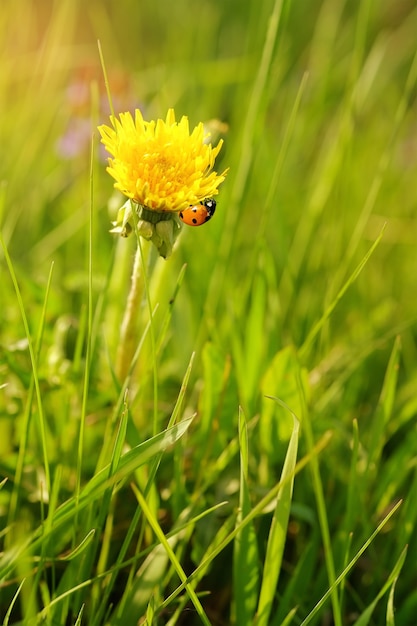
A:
(162, 168)
(167, 174)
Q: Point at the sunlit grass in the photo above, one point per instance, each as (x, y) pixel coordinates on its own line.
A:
(256, 461)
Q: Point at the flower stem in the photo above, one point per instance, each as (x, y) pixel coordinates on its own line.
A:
(128, 335)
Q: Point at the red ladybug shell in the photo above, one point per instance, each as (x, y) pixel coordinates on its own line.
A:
(198, 214)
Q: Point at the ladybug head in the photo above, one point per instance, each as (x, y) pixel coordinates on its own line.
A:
(210, 205)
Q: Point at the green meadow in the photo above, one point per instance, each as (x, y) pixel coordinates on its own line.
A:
(254, 460)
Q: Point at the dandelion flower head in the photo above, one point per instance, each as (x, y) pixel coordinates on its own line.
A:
(159, 164)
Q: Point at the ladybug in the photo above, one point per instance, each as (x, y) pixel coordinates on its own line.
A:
(198, 214)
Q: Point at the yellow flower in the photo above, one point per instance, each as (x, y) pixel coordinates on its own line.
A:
(161, 165)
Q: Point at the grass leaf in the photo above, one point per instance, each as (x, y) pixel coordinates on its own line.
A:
(245, 549)
(278, 531)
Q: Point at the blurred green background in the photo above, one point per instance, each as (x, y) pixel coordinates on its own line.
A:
(320, 132)
(349, 165)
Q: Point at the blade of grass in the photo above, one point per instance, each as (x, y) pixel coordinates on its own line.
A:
(86, 384)
(172, 557)
(95, 488)
(79, 549)
(137, 515)
(245, 549)
(384, 410)
(14, 498)
(79, 616)
(278, 531)
(150, 612)
(329, 310)
(390, 604)
(195, 578)
(12, 603)
(136, 585)
(258, 509)
(131, 434)
(152, 335)
(365, 617)
(304, 572)
(353, 494)
(386, 156)
(322, 513)
(106, 80)
(289, 618)
(166, 321)
(275, 425)
(147, 583)
(43, 615)
(174, 415)
(253, 353)
(33, 359)
(246, 151)
(104, 518)
(351, 564)
(270, 200)
(134, 458)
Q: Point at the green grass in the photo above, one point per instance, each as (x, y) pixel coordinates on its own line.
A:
(258, 463)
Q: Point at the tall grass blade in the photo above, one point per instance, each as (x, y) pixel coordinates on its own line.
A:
(278, 531)
(351, 564)
(245, 549)
(12, 603)
(329, 310)
(365, 617)
(256, 510)
(172, 557)
(384, 410)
